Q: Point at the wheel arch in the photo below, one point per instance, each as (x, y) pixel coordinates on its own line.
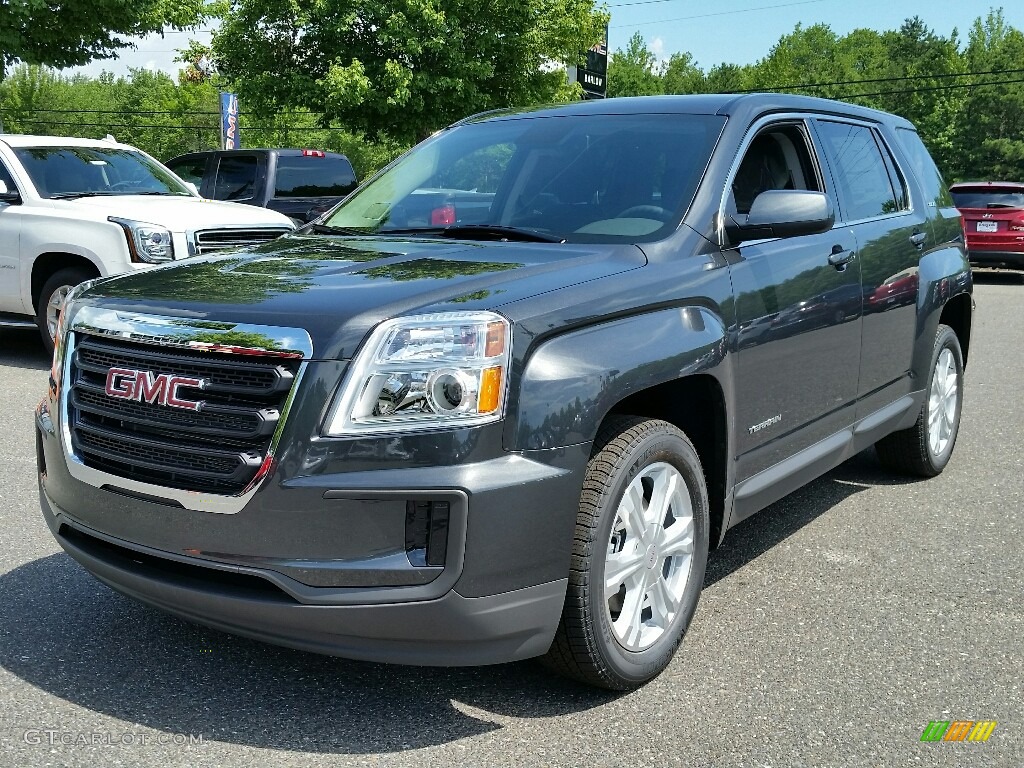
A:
(670, 364)
(48, 264)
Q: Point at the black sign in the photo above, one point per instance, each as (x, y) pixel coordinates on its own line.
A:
(593, 77)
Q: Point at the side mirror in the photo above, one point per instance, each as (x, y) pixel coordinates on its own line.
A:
(11, 197)
(783, 213)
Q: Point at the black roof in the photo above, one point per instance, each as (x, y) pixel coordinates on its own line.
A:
(699, 104)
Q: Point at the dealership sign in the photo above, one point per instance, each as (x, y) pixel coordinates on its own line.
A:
(593, 75)
(229, 132)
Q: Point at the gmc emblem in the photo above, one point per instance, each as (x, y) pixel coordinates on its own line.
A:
(144, 386)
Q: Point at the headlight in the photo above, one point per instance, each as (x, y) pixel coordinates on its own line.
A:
(425, 372)
(146, 242)
(60, 337)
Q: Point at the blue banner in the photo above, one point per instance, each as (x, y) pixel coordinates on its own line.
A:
(229, 132)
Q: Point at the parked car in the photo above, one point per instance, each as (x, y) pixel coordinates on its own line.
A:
(459, 438)
(74, 209)
(300, 183)
(993, 214)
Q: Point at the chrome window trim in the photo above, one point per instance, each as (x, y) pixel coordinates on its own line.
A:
(168, 331)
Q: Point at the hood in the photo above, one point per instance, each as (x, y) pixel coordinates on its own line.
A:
(337, 289)
(176, 212)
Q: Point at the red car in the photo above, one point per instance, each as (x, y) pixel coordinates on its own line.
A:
(993, 214)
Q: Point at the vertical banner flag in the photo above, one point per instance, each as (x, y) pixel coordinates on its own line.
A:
(229, 133)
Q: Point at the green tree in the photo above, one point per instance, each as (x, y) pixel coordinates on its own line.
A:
(989, 142)
(682, 75)
(73, 32)
(634, 71)
(405, 68)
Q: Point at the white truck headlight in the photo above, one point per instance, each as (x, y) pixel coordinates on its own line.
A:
(146, 242)
(425, 372)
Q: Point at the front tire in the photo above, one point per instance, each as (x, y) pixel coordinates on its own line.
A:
(925, 448)
(51, 301)
(638, 558)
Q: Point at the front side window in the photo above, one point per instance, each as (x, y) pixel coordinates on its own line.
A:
(236, 178)
(860, 172)
(7, 178)
(777, 158)
(594, 178)
(70, 172)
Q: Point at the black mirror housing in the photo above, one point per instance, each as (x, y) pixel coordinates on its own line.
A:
(11, 197)
(783, 213)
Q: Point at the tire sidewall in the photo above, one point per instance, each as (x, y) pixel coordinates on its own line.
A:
(68, 276)
(661, 446)
(945, 339)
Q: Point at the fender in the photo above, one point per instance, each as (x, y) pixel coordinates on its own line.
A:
(944, 274)
(571, 382)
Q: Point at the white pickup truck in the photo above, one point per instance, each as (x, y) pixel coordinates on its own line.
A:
(73, 209)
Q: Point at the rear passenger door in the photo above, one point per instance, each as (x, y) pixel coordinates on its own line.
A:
(891, 231)
(797, 311)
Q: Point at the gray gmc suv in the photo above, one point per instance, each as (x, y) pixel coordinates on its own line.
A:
(503, 400)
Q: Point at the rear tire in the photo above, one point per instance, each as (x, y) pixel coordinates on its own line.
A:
(925, 448)
(638, 556)
(51, 300)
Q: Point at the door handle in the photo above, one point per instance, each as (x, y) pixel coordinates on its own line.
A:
(841, 257)
(918, 239)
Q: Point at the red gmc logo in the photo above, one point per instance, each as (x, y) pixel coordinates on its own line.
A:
(145, 386)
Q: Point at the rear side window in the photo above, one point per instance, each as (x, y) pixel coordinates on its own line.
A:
(190, 169)
(862, 178)
(309, 176)
(236, 178)
(924, 168)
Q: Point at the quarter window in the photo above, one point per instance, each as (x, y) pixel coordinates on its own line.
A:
(861, 175)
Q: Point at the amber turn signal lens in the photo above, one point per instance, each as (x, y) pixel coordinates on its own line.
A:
(490, 390)
(495, 339)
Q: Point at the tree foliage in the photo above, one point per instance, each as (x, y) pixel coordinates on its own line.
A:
(403, 68)
(74, 32)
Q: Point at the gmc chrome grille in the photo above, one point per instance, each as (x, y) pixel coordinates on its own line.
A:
(218, 446)
(213, 240)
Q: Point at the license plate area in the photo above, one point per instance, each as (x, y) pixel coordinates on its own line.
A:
(988, 226)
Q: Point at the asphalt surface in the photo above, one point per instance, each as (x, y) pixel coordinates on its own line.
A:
(833, 627)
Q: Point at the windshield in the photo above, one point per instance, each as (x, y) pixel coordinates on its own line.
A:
(595, 178)
(68, 172)
(988, 198)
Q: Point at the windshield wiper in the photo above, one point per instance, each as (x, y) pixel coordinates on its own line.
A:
(498, 231)
(75, 195)
(326, 229)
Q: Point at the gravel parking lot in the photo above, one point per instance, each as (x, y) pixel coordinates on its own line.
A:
(833, 627)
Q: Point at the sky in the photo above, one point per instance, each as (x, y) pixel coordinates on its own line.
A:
(732, 31)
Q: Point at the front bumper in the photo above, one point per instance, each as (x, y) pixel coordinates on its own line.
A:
(318, 562)
(449, 631)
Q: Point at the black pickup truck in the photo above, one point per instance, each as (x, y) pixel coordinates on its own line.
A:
(515, 424)
(300, 183)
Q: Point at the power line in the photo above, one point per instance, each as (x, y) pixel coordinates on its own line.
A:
(709, 15)
(175, 127)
